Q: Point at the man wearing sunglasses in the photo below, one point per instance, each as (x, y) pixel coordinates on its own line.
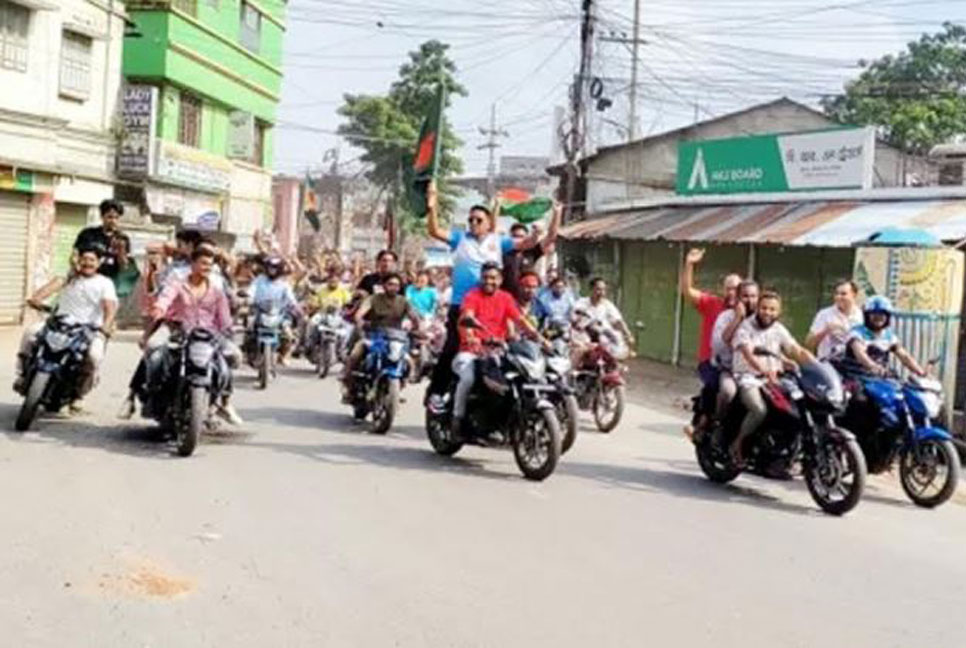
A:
(478, 245)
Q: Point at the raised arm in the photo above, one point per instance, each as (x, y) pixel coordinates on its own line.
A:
(551, 237)
(432, 215)
(687, 276)
(50, 288)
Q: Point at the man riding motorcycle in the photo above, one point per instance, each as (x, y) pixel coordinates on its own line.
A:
(491, 314)
(273, 292)
(387, 309)
(597, 308)
(764, 332)
(873, 342)
(88, 297)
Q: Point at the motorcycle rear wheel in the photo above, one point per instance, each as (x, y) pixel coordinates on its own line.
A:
(31, 402)
(916, 477)
(608, 407)
(189, 429)
(536, 447)
(843, 458)
(714, 463)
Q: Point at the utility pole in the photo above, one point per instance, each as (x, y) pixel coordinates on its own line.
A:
(492, 133)
(573, 143)
(635, 59)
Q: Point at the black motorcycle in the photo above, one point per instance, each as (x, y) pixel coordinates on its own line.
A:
(193, 377)
(52, 373)
(800, 428)
(509, 406)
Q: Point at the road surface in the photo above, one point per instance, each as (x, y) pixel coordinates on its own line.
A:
(303, 530)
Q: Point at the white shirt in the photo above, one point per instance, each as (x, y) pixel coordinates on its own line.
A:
(775, 338)
(82, 298)
(604, 311)
(834, 343)
(721, 352)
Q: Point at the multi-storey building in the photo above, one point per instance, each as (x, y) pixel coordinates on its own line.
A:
(202, 87)
(59, 77)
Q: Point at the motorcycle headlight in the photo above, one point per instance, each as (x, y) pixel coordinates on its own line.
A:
(535, 368)
(933, 403)
(558, 365)
(200, 354)
(56, 341)
(396, 349)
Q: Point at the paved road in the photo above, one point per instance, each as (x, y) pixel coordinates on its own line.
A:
(305, 531)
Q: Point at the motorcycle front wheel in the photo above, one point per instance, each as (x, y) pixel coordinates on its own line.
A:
(193, 421)
(536, 446)
(609, 407)
(437, 429)
(567, 413)
(324, 359)
(387, 404)
(265, 366)
(929, 473)
(836, 478)
(31, 402)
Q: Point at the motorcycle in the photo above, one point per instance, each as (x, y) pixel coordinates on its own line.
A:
(377, 383)
(193, 376)
(329, 341)
(52, 372)
(262, 342)
(599, 377)
(425, 354)
(800, 428)
(564, 399)
(511, 399)
(899, 421)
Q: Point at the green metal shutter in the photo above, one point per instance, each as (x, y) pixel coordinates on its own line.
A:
(13, 255)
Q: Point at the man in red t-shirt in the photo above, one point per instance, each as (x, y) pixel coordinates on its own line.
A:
(496, 314)
(710, 306)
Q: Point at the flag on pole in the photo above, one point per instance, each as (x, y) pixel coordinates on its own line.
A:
(310, 204)
(529, 211)
(427, 155)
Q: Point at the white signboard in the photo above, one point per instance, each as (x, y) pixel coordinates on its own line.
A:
(190, 167)
(241, 135)
(837, 158)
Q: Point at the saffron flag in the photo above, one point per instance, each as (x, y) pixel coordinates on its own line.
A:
(427, 154)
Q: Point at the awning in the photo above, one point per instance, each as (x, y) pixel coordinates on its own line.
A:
(819, 223)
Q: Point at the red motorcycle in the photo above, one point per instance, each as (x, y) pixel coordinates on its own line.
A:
(599, 375)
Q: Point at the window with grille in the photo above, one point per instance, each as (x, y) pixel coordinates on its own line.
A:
(190, 7)
(75, 65)
(250, 32)
(189, 120)
(14, 30)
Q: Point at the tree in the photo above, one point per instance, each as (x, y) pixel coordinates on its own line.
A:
(916, 98)
(386, 126)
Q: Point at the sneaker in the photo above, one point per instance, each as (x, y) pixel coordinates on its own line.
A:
(228, 413)
(127, 409)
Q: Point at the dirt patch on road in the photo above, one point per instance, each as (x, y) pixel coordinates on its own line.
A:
(145, 580)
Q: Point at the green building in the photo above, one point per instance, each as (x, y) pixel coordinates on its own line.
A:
(203, 79)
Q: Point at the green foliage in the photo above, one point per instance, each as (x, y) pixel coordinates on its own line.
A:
(916, 98)
(386, 127)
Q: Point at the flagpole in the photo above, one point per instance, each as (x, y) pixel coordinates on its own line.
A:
(439, 136)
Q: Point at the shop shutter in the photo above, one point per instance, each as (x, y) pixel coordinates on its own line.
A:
(13, 255)
(68, 223)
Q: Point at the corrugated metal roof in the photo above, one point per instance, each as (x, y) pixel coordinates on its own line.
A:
(820, 223)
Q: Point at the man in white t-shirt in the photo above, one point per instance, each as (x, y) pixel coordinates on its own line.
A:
(89, 298)
(829, 333)
(764, 332)
(722, 337)
(600, 309)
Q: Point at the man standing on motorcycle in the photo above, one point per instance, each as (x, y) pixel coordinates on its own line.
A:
(831, 327)
(88, 297)
(477, 246)
(487, 314)
(102, 236)
(519, 262)
(387, 309)
(761, 345)
(194, 302)
(385, 265)
(873, 342)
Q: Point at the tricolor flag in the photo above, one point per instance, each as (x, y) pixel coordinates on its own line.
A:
(426, 158)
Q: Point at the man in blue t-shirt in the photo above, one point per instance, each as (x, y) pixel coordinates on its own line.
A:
(479, 244)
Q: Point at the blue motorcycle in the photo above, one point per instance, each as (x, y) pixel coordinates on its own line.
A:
(263, 341)
(377, 383)
(895, 420)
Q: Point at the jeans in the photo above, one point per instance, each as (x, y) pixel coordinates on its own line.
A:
(442, 372)
(756, 407)
(727, 390)
(464, 366)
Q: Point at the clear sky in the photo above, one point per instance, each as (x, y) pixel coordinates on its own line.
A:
(701, 58)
